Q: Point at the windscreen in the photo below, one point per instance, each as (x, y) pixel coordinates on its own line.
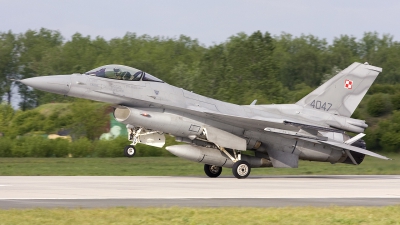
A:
(120, 72)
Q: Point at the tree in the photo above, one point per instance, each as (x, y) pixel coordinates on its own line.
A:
(88, 119)
(39, 55)
(389, 133)
(344, 51)
(378, 105)
(9, 64)
(6, 115)
(301, 59)
(241, 70)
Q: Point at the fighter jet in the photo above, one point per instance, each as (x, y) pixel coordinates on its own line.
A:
(217, 133)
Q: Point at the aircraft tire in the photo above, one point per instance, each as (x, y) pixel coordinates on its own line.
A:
(241, 169)
(212, 171)
(129, 151)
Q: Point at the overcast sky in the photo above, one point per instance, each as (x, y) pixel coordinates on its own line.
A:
(209, 21)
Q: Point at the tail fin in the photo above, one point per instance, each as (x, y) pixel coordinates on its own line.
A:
(342, 93)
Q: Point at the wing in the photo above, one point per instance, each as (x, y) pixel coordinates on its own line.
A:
(259, 122)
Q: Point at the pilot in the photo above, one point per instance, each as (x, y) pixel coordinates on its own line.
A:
(118, 74)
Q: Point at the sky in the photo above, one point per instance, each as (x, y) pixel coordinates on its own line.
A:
(209, 21)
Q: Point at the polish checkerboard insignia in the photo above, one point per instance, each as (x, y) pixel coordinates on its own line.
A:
(348, 84)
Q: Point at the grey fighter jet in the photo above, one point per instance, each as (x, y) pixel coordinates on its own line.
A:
(216, 133)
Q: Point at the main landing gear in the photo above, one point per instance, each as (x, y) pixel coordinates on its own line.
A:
(240, 169)
(212, 171)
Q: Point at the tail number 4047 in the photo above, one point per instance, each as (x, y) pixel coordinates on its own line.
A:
(321, 105)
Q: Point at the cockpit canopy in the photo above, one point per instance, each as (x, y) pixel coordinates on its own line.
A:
(120, 72)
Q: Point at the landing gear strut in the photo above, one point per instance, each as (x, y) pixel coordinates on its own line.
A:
(212, 171)
(144, 136)
(241, 169)
(133, 135)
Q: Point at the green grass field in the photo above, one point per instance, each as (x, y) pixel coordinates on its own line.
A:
(288, 215)
(172, 166)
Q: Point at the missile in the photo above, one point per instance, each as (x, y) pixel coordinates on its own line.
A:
(213, 156)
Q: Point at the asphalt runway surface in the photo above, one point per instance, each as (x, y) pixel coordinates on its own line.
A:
(140, 191)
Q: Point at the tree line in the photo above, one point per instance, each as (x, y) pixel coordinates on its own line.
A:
(272, 69)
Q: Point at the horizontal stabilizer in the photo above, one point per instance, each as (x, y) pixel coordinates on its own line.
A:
(354, 149)
(354, 139)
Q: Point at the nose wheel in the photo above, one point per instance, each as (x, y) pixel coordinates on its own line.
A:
(241, 169)
(130, 151)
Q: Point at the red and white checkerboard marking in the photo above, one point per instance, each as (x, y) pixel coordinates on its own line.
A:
(348, 84)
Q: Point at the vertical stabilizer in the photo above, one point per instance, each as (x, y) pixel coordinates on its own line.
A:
(342, 93)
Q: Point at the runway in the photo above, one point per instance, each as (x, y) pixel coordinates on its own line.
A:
(139, 191)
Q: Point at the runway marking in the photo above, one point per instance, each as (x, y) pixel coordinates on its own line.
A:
(206, 198)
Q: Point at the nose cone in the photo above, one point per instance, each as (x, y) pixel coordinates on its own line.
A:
(58, 84)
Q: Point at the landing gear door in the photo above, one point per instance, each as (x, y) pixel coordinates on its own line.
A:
(225, 139)
(153, 139)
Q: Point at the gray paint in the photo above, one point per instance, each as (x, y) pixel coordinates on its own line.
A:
(281, 159)
(308, 130)
(340, 99)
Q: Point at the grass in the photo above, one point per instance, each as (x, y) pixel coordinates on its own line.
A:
(288, 215)
(172, 166)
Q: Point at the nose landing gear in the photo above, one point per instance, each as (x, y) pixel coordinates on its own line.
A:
(130, 151)
(144, 136)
